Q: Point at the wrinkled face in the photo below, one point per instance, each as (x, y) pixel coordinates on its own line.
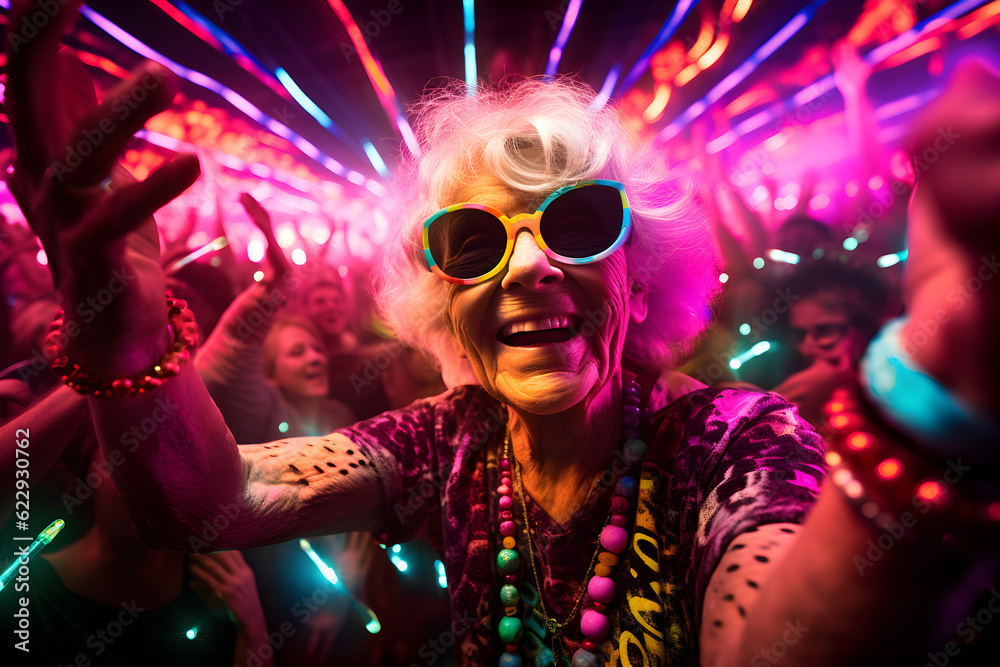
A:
(300, 365)
(542, 335)
(821, 330)
(327, 308)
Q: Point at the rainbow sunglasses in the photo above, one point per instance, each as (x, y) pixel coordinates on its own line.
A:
(585, 222)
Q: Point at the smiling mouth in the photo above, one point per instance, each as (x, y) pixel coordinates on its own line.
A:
(543, 331)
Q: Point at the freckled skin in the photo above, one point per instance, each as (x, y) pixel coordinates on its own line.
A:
(735, 585)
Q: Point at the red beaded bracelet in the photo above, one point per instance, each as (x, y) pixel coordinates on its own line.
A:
(184, 339)
(898, 489)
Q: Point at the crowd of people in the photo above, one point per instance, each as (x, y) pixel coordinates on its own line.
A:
(556, 416)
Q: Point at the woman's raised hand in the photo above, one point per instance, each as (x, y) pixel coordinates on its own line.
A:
(93, 219)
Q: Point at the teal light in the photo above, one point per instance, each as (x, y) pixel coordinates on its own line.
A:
(758, 262)
(442, 579)
(850, 243)
(191, 633)
(324, 569)
(283, 427)
(372, 626)
(760, 348)
(885, 261)
(745, 329)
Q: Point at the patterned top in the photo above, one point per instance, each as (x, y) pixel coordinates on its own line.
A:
(743, 459)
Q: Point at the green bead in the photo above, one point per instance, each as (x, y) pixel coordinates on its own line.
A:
(509, 595)
(634, 450)
(508, 561)
(510, 629)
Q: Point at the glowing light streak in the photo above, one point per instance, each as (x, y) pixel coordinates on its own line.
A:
(383, 90)
(374, 158)
(715, 52)
(741, 9)
(755, 351)
(740, 74)
(892, 259)
(676, 18)
(35, 546)
(704, 40)
(776, 255)
(219, 40)
(327, 571)
(208, 83)
(191, 633)
(469, 52)
(607, 88)
(104, 64)
(911, 36)
(212, 246)
(569, 21)
(442, 579)
(311, 108)
(659, 103)
(686, 74)
(980, 20)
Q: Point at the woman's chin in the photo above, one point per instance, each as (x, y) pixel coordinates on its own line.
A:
(546, 393)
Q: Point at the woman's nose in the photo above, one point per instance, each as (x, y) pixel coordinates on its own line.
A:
(529, 267)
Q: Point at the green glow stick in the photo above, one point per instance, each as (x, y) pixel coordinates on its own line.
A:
(36, 545)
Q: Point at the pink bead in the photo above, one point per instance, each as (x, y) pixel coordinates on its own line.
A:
(507, 529)
(503, 490)
(504, 464)
(619, 520)
(619, 505)
(614, 538)
(506, 481)
(506, 502)
(601, 589)
(588, 645)
(506, 515)
(594, 625)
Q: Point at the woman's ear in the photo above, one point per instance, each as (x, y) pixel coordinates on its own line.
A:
(637, 302)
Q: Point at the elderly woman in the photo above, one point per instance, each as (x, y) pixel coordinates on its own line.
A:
(537, 243)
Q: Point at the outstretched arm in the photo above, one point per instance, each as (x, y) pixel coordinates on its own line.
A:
(182, 476)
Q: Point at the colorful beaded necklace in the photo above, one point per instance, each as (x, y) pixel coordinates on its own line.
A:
(613, 540)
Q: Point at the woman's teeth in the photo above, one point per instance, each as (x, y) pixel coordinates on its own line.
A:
(555, 322)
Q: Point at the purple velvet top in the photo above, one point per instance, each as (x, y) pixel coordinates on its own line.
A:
(743, 459)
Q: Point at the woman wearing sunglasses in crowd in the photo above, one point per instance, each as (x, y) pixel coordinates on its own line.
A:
(563, 262)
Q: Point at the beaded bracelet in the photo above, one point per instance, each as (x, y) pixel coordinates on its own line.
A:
(917, 404)
(899, 490)
(183, 336)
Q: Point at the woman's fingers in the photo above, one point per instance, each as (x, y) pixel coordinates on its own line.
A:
(135, 204)
(32, 102)
(102, 134)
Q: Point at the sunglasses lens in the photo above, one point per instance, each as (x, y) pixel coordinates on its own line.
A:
(584, 221)
(467, 243)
